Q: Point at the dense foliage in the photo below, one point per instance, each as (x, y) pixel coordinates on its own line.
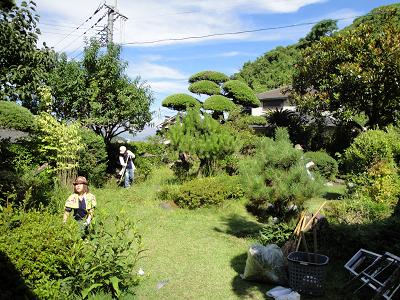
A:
(213, 76)
(355, 71)
(204, 87)
(240, 93)
(370, 147)
(23, 67)
(325, 165)
(272, 70)
(202, 139)
(55, 262)
(92, 161)
(98, 93)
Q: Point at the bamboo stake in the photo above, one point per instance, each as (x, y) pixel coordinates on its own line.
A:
(314, 216)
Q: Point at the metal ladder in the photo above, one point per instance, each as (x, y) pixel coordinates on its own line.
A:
(381, 273)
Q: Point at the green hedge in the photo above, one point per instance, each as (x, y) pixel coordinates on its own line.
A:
(202, 192)
(372, 146)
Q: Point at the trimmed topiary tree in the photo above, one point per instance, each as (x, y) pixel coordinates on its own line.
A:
(218, 104)
(205, 87)
(214, 76)
(13, 115)
(240, 93)
(180, 102)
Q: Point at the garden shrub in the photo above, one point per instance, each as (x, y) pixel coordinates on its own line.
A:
(357, 208)
(56, 263)
(201, 192)
(275, 179)
(325, 165)
(369, 147)
(92, 161)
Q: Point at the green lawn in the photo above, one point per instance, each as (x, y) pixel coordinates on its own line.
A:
(191, 254)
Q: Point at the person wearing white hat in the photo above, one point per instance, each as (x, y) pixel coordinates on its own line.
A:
(128, 167)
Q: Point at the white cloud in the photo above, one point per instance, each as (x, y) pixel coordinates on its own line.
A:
(148, 70)
(169, 87)
(150, 20)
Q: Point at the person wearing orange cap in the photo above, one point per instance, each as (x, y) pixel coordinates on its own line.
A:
(81, 203)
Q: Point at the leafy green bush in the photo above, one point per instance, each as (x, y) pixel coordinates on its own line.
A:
(17, 117)
(205, 87)
(325, 165)
(214, 76)
(92, 161)
(369, 147)
(56, 263)
(202, 192)
(275, 233)
(357, 208)
(380, 183)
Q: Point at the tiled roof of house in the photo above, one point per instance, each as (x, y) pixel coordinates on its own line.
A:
(273, 94)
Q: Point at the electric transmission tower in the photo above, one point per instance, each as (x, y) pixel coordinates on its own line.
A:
(107, 33)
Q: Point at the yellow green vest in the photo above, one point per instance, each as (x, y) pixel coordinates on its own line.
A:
(73, 201)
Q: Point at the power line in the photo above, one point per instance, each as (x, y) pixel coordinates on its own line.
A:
(89, 18)
(228, 33)
(101, 18)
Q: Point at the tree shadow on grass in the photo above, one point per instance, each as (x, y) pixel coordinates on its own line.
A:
(246, 289)
(240, 227)
(12, 285)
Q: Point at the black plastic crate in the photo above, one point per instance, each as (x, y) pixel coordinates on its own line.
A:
(307, 272)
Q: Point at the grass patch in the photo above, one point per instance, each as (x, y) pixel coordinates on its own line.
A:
(192, 254)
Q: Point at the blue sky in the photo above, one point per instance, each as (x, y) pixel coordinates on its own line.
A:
(167, 65)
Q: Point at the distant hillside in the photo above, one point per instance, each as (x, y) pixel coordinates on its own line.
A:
(275, 68)
(272, 70)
